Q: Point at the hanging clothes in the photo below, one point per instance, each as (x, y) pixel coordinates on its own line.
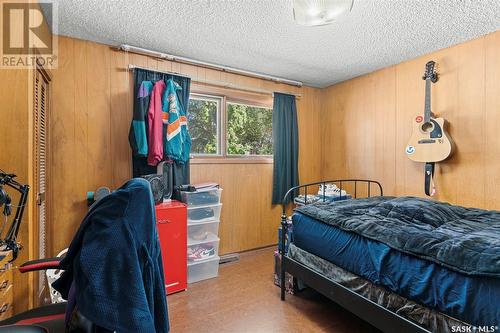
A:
(140, 164)
(177, 142)
(155, 124)
(186, 137)
(137, 136)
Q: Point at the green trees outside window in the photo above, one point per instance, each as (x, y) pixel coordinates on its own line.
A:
(247, 128)
(203, 121)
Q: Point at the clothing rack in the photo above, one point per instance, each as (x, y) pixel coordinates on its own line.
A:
(217, 83)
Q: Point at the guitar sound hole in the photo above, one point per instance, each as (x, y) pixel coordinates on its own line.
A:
(427, 127)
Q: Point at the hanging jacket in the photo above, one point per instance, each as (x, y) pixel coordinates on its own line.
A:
(186, 138)
(114, 264)
(177, 142)
(137, 135)
(155, 124)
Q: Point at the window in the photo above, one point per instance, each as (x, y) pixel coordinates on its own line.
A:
(249, 130)
(204, 124)
(223, 128)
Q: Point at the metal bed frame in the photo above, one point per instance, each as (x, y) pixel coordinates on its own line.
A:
(371, 312)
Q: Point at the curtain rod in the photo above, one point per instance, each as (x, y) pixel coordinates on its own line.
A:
(220, 84)
(139, 50)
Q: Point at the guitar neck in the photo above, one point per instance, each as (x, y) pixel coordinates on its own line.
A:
(427, 110)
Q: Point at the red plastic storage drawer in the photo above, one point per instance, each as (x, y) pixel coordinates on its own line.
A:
(171, 221)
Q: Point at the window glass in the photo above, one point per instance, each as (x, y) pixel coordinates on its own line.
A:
(249, 130)
(203, 120)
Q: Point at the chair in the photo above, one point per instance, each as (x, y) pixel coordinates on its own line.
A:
(47, 318)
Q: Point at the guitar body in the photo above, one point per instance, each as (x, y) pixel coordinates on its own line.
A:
(429, 141)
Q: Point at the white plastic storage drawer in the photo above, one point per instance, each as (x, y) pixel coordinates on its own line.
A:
(204, 213)
(201, 230)
(201, 198)
(203, 270)
(204, 246)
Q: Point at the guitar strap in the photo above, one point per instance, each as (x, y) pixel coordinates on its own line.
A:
(430, 188)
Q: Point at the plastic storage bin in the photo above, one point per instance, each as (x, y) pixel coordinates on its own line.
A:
(201, 214)
(207, 242)
(202, 198)
(203, 270)
(199, 229)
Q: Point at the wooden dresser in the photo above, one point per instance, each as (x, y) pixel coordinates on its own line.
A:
(6, 287)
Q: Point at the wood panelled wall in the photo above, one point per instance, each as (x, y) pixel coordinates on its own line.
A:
(92, 109)
(16, 156)
(366, 123)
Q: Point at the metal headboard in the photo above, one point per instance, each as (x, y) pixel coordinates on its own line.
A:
(341, 183)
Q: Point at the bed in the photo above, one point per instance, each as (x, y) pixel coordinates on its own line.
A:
(402, 264)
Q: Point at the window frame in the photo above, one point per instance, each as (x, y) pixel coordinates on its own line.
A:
(235, 98)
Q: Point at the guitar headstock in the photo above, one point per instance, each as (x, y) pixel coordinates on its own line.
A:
(430, 71)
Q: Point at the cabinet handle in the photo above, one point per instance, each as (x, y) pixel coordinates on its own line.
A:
(4, 308)
(164, 221)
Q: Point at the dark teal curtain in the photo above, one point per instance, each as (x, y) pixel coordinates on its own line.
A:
(140, 165)
(285, 145)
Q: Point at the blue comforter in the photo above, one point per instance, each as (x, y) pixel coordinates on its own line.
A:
(472, 299)
(466, 240)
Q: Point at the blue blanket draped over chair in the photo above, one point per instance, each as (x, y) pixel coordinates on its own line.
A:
(115, 265)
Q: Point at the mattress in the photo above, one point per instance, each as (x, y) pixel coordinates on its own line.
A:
(466, 240)
(472, 299)
(432, 320)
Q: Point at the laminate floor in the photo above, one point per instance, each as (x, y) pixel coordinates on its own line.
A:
(244, 299)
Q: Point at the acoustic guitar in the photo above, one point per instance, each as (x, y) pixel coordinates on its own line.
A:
(429, 141)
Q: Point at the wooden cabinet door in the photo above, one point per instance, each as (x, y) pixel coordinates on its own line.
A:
(41, 114)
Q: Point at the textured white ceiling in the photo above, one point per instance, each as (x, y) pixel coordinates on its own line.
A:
(261, 35)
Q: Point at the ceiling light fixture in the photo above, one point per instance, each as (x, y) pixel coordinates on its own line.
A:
(320, 12)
